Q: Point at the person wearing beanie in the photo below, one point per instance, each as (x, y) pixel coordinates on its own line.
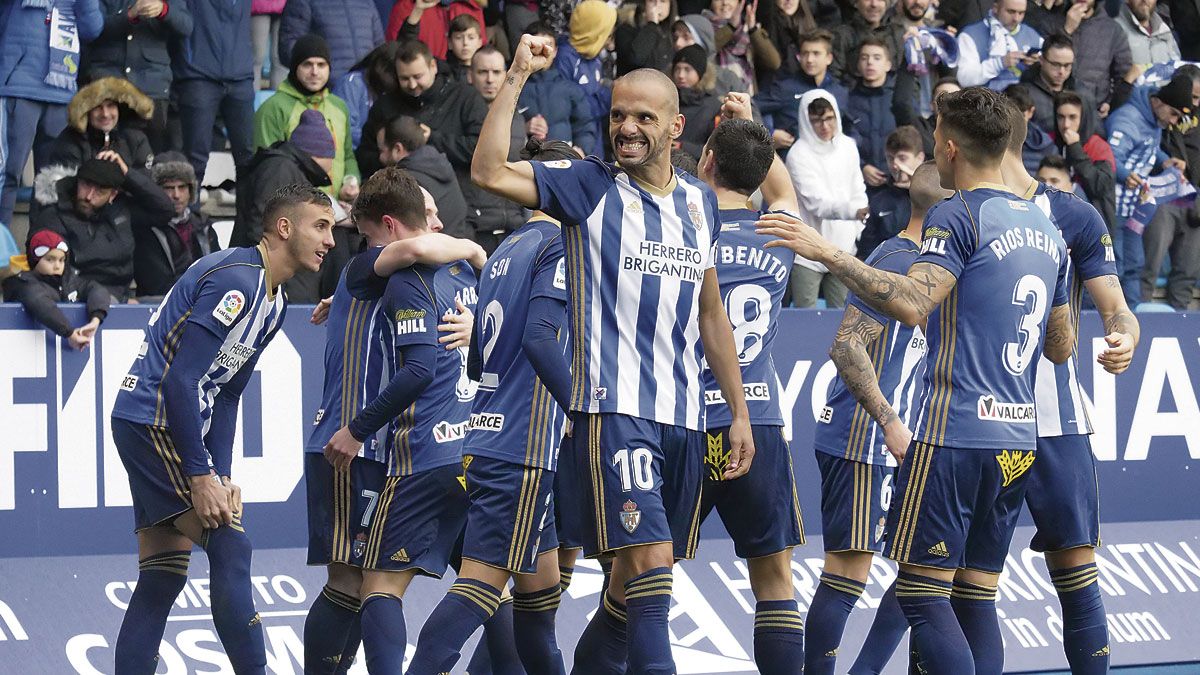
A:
(578, 59)
(554, 107)
(352, 28)
(46, 279)
(163, 252)
(698, 105)
(307, 89)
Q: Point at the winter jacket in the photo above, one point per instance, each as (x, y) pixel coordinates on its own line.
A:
(784, 32)
(1185, 15)
(779, 104)
(871, 120)
(906, 112)
(435, 23)
(351, 28)
(1102, 58)
(1043, 97)
(959, 13)
(1093, 167)
(487, 212)
(848, 37)
(1038, 145)
(752, 57)
(981, 50)
(137, 50)
(40, 295)
(79, 142)
(267, 6)
(270, 169)
(279, 115)
(828, 182)
(219, 48)
(102, 245)
(890, 211)
(726, 80)
(1135, 138)
(162, 253)
(352, 89)
(647, 46)
(1145, 49)
(589, 74)
(563, 104)
(25, 46)
(700, 110)
(433, 172)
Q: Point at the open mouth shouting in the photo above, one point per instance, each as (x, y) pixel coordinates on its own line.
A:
(631, 147)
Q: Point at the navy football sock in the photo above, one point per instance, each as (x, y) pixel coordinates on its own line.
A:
(384, 635)
(975, 607)
(161, 577)
(826, 621)
(466, 606)
(325, 630)
(778, 637)
(501, 645)
(353, 642)
(564, 576)
(1085, 627)
(887, 629)
(648, 599)
(602, 648)
(533, 614)
(237, 623)
(936, 634)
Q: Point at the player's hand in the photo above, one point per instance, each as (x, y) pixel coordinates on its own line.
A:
(736, 106)
(741, 449)
(1070, 136)
(320, 313)
(793, 233)
(1104, 109)
(478, 257)
(235, 495)
(873, 176)
(210, 499)
(1117, 357)
(342, 449)
(782, 140)
(862, 214)
(457, 327)
(896, 438)
(532, 54)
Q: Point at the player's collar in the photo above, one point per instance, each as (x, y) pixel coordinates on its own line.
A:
(992, 186)
(1030, 191)
(731, 205)
(654, 190)
(262, 250)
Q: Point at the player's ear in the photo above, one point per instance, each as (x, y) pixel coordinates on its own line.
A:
(677, 126)
(283, 227)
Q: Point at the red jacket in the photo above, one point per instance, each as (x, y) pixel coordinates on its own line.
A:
(435, 23)
(1098, 149)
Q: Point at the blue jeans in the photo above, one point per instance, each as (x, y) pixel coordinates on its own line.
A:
(199, 102)
(1130, 263)
(25, 125)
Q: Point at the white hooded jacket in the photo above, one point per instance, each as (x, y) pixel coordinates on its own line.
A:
(828, 181)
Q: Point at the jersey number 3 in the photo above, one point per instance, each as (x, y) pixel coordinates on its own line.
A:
(1030, 294)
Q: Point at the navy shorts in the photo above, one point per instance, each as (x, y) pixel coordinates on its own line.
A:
(1064, 495)
(341, 505)
(420, 517)
(761, 510)
(160, 489)
(640, 482)
(855, 497)
(957, 507)
(569, 509)
(510, 521)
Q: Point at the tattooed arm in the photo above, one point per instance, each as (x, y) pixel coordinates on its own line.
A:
(1121, 328)
(1060, 334)
(857, 332)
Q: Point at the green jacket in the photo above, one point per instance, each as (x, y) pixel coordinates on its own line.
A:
(280, 114)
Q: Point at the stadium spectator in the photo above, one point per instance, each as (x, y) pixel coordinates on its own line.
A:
(699, 107)
(265, 17)
(465, 39)
(99, 118)
(1081, 142)
(960, 13)
(994, 51)
(826, 174)
(1135, 134)
(778, 102)
(1150, 37)
(85, 205)
(1055, 172)
(871, 19)
(1185, 15)
(643, 36)
(1038, 142)
(578, 59)
(1049, 76)
(214, 74)
(1102, 60)
(350, 27)
(913, 14)
(742, 45)
(786, 20)
(889, 204)
(907, 113)
(870, 110)
(49, 279)
(431, 19)
(307, 88)
(554, 107)
(37, 81)
(367, 81)
(518, 14)
(403, 145)
(134, 45)
(694, 29)
(165, 250)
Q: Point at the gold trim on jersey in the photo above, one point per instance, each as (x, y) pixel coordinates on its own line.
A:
(596, 464)
(574, 254)
(352, 356)
(170, 348)
(943, 369)
(266, 265)
(795, 495)
(343, 502)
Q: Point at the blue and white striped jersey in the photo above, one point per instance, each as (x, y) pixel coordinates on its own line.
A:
(227, 293)
(636, 260)
(753, 281)
(515, 419)
(1062, 407)
(845, 429)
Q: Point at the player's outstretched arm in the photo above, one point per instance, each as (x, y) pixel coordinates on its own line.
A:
(717, 337)
(1060, 334)
(1121, 328)
(856, 333)
(490, 168)
(434, 248)
(907, 299)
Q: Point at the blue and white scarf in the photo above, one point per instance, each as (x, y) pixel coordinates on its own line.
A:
(64, 42)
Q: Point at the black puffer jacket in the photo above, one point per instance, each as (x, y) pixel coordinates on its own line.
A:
(434, 173)
(79, 141)
(270, 169)
(162, 255)
(487, 212)
(40, 295)
(699, 109)
(137, 50)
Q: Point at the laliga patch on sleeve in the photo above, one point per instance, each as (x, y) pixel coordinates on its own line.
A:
(558, 164)
(230, 306)
(560, 275)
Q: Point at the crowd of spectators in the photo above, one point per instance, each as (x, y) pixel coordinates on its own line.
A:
(121, 102)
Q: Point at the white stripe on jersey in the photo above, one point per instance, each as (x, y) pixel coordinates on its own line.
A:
(595, 228)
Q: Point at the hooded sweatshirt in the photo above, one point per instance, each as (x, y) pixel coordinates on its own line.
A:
(1135, 138)
(433, 171)
(828, 181)
(1092, 165)
(1038, 144)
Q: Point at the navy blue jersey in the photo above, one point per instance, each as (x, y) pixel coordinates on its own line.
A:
(1062, 407)
(429, 433)
(359, 355)
(986, 337)
(514, 417)
(845, 429)
(753, 281)
(227, 293)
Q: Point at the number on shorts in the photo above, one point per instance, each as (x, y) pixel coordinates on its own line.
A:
(1018, 355)
(372, 499)
(885, 493)
(749, 308)
(640, 474)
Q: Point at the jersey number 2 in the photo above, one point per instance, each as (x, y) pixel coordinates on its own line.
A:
(1029, 293)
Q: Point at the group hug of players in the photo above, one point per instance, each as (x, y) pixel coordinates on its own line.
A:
(604, 381)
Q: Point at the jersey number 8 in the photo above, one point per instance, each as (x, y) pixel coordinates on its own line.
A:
(748, 306)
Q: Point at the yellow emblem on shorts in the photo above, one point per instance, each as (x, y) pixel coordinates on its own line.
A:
(717, 458)
(939, 549)
(400, 556)
(462, 480)
(1104, 651)
(1013, 463)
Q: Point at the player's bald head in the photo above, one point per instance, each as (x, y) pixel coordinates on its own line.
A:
(926, 188)
(651, 84)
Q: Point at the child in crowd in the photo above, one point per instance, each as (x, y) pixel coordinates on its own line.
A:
(46, 278)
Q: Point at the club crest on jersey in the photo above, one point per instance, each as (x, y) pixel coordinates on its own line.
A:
(600, 393)
(631, 516)
(360, 545)
(1013, 463)
(558, 164)
(229, 307)
(879, 528)
(560, 274)
(996, 411)
(696, 215)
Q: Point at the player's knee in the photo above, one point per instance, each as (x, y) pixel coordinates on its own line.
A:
(1071, 557)
(390, 583)
(849, 564)
(344, 578)
(638, 560)
(977, 577)
(771, 576)
(227, 545)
